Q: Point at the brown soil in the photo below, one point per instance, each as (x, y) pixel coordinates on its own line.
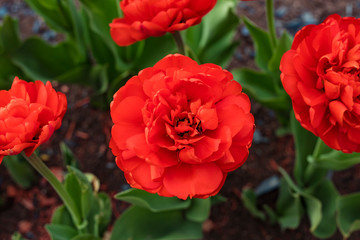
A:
(87, 132)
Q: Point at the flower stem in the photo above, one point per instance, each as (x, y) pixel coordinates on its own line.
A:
(319, 147)
(271, 21)
(179, 42)
(312, 172)
(38, 164)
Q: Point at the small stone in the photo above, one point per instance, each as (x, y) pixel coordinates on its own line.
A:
(25, 226)
(281, 11)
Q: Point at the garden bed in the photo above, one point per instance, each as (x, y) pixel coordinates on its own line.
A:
(86, 131)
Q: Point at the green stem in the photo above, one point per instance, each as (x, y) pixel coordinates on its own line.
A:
(319, 147)
(179, 42)
(271, 21)
(39, 165)
(312, 172)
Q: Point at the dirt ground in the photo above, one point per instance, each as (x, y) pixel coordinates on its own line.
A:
(87, 132)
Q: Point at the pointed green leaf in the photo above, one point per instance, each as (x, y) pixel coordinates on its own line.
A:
(348, 217)
(60, 232)
(273, 217)
(153, 202)
(260, 86)
(8, 71)
(9, 43)
(78, 26)
(103, 216)
(68, 156)
(313, 206)
(20, 170)
(248, 198)
(61, 216)
(327, 194)
(288, 207)
(55, 13)
(283, 45)
(336, 160)
(155, 49)
(101, 14)
(214, 36)
(138, 223)
(9, 35)
(42, 61)
(304, 145)
(199, 210)
(86, 191)
(261, 39)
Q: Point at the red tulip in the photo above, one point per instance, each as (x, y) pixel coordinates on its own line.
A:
(29, 114)
(321, 75)
(180, 127)
(146, 18)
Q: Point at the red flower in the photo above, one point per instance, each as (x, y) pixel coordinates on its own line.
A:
(179, 127)
(321, 75)
(29, 114)
(146, 18)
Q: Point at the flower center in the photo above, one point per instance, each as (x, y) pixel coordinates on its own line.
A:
(186, 124)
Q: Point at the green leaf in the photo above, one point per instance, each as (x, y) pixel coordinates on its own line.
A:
(283, 45)
(61, 216)
(288, 207)
(248, 198)
(17, 236)
(42, 61)
(138, 223)
(8, 71)
(99, 14)
(55, 13)
(9, 35)
(336, 160)
(87, 196)
(313, 206)
(154, 50)
(20, 170)
(260, 86)
(214, 36)
(348, 217)
(9, 43)
(103, 215)
(79, 188)
(304, 145)
(327, 194)
(273, 217)
(68, 156)
(199, 210)
(60, 232)
(153, 202)
(261, 39)
(79, 75)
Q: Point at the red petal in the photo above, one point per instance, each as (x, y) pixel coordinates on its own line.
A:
(337, 110)
(162, 158)
(4, 98)
(120, 132)
(145, 174)
(177, 61)
(128, 110)
(185, 180)
(209, 118)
